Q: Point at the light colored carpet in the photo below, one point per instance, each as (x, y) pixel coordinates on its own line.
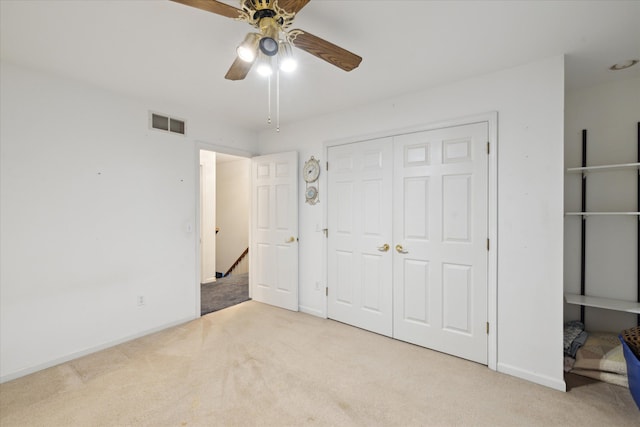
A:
(253, 364)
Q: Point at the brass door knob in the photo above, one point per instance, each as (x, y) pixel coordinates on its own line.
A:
(384, 248)
(290, 240)
(401, 250)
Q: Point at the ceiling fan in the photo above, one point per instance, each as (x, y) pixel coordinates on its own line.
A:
(272, 19)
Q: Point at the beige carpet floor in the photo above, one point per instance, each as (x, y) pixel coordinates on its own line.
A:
(253, 364)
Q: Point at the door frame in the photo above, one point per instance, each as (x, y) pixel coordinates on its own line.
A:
(202, 145)
(208, 199)
(491, 118)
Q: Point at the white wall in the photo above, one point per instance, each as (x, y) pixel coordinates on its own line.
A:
(610, 113)
(96, 209)
(530, 102)
(233, 207)
(77, 247)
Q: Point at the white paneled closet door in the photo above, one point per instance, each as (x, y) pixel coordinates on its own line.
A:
(440, 224)
(359, 223)
(425, 195)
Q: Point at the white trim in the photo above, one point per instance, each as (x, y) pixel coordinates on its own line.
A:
(78, 354)
(492, 268)
(311, 311)
(466, 120)
(533, 377)
(223, 149)
(323, 183)
(207, 236)
(197, 309)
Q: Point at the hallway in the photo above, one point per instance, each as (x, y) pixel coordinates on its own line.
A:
(224, 292)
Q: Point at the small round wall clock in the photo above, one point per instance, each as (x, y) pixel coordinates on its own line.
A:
(310, 174)
(311, 170)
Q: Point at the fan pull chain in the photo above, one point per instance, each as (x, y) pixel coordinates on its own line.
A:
(269, 101)
(278, 101)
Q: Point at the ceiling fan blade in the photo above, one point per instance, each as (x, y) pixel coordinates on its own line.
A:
(323, 49)
(292, 6)
(238, 70)
(213, 6)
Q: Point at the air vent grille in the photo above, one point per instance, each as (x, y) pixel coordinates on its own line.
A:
(165, 123)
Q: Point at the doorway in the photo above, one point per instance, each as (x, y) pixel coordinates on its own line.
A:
(224, 230)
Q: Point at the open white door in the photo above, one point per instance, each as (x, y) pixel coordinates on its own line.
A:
(274, 230)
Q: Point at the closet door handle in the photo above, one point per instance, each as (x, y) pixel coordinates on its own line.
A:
(384, 248)
(401, 250)
(290, 240)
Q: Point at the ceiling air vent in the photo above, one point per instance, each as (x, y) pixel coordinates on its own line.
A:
(166, 123)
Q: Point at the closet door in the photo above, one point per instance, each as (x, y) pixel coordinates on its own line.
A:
(440, 229)
(359, 240)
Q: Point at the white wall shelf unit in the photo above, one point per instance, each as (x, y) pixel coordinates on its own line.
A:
(583, 299)
(604, 168)
(601, 213)
(606, 303)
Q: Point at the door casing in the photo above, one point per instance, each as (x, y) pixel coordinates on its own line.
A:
(196, 228)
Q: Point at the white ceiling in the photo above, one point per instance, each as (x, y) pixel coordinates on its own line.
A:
(164, 51)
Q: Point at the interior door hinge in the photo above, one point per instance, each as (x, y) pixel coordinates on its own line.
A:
(488, 148)
(326, 232)
(326, 291)
(327, 166)
(487, 328)
(487, 244)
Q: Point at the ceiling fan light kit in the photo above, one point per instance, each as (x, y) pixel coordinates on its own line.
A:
(264, 67)
(273, 18)
(248, 49)
(286, 61)
(269, 46)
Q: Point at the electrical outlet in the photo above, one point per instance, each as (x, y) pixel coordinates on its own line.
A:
(140, 299)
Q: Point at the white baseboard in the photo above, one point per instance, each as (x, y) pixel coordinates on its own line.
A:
(544, 380)
(312, 311)
(32, 369)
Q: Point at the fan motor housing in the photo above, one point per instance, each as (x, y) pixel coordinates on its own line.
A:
(264, 13)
